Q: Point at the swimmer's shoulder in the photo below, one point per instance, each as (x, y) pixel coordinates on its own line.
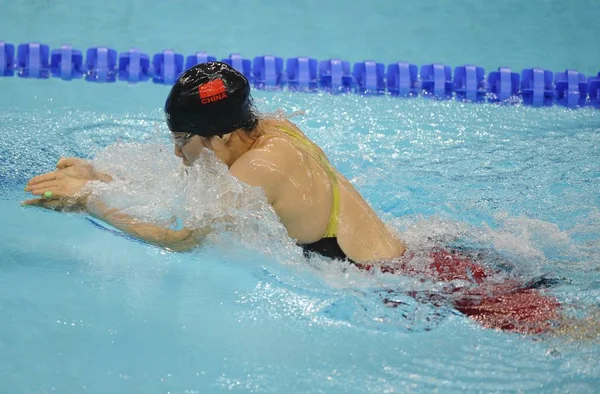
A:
(274, 127)
(273, 143)
(274, 130)
(265, 166)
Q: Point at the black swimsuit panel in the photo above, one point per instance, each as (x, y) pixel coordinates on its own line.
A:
(327, 247)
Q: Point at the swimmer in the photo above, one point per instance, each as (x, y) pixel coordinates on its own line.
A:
(210, 107)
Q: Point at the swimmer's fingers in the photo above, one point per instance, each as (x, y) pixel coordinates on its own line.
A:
(50, 176)
(32, 202)
(54, 182)
(62, 188)
(47, 185)
(66, 205)
(65, 162)
(43, 203)
(36, 202)
(53, 193)
(51, 186)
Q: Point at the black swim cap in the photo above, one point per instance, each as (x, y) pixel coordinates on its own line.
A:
(210, 99)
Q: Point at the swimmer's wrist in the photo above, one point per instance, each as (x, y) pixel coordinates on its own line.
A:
(83, 199)
(90, 205)
(83, 202)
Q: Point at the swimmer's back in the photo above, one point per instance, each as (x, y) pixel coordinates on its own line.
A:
(306, 202)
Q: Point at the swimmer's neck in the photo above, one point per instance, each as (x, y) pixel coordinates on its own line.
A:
(238, 143)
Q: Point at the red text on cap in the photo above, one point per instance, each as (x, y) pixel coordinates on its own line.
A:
(212, 91)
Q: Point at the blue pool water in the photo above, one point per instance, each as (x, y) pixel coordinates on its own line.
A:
(85, 310)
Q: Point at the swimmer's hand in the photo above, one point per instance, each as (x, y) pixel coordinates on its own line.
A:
(64, 190)
(64, 187)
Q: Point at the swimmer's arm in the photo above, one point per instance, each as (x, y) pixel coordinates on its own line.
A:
(174, 240)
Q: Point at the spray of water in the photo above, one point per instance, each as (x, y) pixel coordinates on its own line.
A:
(150, 184)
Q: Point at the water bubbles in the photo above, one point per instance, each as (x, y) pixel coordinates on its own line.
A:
(151, 184)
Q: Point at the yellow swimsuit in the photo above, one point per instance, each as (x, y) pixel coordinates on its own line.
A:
(310, 147)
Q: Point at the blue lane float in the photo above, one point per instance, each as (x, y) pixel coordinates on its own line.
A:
(436, 81)
(402, 79)
(302, 74)
(536, 87)
(33, 60)
(101, 65)
(369, 77)
(469, 83)
(334, 75)
(594, 90)
(571, 88)
(503, 84)
(268, 72)
(134, 66)
(533, 86)
(7, 59)
(66, 63)
(168, 66)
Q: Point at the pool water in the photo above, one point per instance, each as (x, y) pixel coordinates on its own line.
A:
(88, 310)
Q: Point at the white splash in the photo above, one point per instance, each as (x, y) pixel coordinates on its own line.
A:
(151, 184)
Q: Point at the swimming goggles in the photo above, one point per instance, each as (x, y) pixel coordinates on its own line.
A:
(180, 141)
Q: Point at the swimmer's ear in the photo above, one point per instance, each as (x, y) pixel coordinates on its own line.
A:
(224, 138)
